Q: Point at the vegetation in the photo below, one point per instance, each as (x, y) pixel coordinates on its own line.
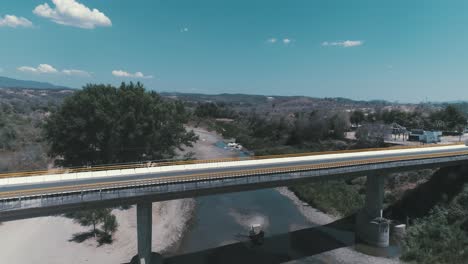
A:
(301, 132)
(371, 135)
(437, 211)
(439, 237)
(357, 117)
(213, 110)
(22, 114)
(450, 118)
(339, 198)
(102, 124)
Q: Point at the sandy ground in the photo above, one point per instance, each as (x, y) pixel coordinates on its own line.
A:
(204, 148)
(45, 239)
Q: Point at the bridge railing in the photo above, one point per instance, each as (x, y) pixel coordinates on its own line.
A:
(164, 163)
(202, 177)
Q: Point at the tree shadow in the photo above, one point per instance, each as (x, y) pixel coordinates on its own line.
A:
(81, 237)
(105, 238)
(101, 237)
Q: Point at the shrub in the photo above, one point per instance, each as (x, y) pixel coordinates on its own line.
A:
(433, 239)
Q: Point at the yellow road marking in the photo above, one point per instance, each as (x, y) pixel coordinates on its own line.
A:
(147, 164)
(223, 175)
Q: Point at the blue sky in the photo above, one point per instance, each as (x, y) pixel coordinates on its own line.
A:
(397, 50)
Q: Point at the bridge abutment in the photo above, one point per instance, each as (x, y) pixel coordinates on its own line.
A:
(144, 230)
(371, 227)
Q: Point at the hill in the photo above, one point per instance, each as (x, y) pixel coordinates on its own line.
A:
(280, 105)
(6, 82)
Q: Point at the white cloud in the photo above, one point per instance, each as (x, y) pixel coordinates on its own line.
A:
(120, 73)
(345, 44)
(285, 41)
(73, 72)
(14, 21)
(42, 68)
(73, 13)
(272, 40)
(46, 68)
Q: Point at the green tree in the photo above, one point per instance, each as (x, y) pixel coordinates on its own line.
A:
(102, 124)
(207, 110)
(91, 218)
(339, 125)
(103, 223)
(372, 135)
(454, 117)
(110, 224)
(451, 117)
(434, 239)
(357, 117)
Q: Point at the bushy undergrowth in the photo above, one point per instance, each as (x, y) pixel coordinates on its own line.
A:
(433, 239)
(334, 197)
(21, 143)
(442, 236)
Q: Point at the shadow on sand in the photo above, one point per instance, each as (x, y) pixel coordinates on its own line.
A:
(275, 249)
(101, 237)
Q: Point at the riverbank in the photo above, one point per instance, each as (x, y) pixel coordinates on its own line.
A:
(46, 239)
(313, 215)
(342, 255)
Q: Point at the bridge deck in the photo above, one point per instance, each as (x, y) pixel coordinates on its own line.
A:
(29, 192)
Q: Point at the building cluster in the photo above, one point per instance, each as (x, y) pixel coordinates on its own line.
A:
(418, 135)
(424, 136)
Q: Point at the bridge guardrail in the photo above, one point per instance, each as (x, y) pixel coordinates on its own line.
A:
(221, 175)
(151, 164)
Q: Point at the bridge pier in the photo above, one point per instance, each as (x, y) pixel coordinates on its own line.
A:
(371, 227)
(144, 229)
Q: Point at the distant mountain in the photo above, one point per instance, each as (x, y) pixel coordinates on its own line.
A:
(6, 82)
(256, 99)
(279, 105)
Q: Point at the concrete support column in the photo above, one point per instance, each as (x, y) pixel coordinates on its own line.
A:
(374, 195)
(144, 229)
(371, 228)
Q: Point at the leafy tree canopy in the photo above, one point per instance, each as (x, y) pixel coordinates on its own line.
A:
(434, 239)
(102, 124)
(357, 117)
(452, 117)
(97, 218)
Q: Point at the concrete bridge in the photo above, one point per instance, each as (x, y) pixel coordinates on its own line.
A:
(40, 193)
